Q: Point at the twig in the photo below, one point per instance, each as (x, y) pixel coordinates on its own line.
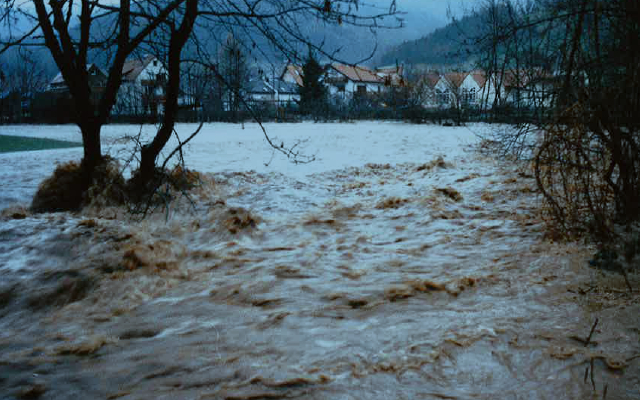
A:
(137, 145)
(632, 358)
(295, 156)
(593, 382)
(179, 147)
(586, 374)
(593, 328)
(626, 279)
(604, 392)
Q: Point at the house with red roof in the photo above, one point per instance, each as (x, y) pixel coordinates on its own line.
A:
(142, 91)
(460, 89)
(525, 88)
(349, 81)
(292, 74)
(346, 81)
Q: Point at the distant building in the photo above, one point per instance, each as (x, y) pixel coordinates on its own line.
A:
(292, 74)
(475, 89)
(277, 92)
(460, 89)
(97, 83)
(142, 92)
(352, 81)
(345, 82)
(424, 89)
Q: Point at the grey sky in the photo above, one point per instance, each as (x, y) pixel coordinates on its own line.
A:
(422, 16)
(436, 7)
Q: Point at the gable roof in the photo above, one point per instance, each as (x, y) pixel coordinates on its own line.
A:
(59, 82)
(523, 78)
(266, 87)
(391, 69)
(285, 87)
(259, 87)
(480, 77)
(295, 71)
(455, 78)
(132, 68)
(357, 73)
(431, 78)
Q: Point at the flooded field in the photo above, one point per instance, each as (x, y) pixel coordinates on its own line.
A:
(402, 264)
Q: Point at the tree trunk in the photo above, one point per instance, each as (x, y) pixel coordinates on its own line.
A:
(92, 148)
(150, 151)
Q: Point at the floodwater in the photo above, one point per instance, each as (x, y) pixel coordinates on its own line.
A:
(412, 280)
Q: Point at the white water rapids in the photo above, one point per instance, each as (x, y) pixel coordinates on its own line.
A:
(402, 264)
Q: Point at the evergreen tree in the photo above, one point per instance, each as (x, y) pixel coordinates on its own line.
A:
(313, 93)
(234, 70)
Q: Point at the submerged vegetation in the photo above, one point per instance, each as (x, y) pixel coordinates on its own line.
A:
(71, 189)
(584, 142)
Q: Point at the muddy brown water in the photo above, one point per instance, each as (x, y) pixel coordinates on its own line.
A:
(401, 281)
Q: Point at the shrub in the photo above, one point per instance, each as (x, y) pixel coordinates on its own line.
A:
(63, 191)
(69, 188)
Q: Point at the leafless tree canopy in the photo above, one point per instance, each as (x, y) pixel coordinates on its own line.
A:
(79, 32)
(586, 138)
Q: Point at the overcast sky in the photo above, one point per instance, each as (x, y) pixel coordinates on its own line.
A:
(435, 7)
(423, 16)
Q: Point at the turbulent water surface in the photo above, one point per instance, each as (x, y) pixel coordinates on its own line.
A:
(424, 277)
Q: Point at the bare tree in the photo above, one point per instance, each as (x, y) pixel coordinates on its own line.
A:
(23, 76)
(586, 147)
(73, 31)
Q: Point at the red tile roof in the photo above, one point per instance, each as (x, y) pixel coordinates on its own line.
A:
(431, 78)
(456, 78)
(523, 78)
(358, 73)
(480, 77)
(295, 71)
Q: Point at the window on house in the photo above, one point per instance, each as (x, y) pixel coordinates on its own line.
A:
(155, 63)
(341, 88)
(442, 96)
(469, 95)
(361, 90)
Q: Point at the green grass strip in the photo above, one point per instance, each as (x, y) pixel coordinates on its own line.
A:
(20, 143)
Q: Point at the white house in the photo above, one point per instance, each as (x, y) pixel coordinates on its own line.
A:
(529, 88)
(449, 89)
(424, 89)
(142, 90)
(345, 82)
(292, 74)
(526, 88)
(454, 89)
(278, 93)
(348, 81)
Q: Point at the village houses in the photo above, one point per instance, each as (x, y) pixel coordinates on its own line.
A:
(142, 89)
(476, 90)
(345, 82)
(141, 92)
